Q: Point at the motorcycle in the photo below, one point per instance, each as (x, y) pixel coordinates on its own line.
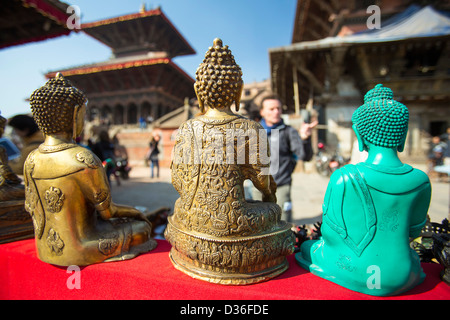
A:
(118, 168)
(122, 169)
(327, 163)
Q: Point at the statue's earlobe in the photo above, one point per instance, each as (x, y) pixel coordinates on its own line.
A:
(401, 146)
(76, 112)
(361, 145)
(200, 101)
(78, 120)
(237, 100)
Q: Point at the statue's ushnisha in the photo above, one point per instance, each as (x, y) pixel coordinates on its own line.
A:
(67, 192)
(216, 235)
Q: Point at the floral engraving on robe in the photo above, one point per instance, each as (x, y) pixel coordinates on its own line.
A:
(345, 263)
(54, 242)
(389, 221)
(88, 159)
(54, 199)
(108, 245)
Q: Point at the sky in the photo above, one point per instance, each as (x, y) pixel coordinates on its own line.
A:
(249, 27)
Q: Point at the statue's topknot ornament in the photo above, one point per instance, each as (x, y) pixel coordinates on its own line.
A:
(53, 105)
(218, 77)
(382, 120)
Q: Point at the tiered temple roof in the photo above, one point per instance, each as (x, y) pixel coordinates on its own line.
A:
(140, 80)
(139, 33)
(24, 21)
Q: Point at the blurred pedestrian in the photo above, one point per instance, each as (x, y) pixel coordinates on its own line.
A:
(445, 138)
(436, 153)
(104, 149)
(142, 123)
(153, 155)
(30, 136)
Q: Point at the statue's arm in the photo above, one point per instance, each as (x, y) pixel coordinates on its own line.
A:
(333, 201)
(182, 156)
(258, 168)
(98, 193)
(264, 182)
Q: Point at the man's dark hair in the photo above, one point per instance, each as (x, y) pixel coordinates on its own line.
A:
(24, 122)
(269, 97)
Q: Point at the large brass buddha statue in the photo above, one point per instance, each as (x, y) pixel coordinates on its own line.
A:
(67, 191)
(216, 235)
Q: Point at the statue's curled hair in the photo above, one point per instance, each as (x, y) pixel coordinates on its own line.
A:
(218, 78)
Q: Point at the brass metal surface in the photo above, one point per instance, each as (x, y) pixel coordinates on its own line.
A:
(67, 191)
(216, 234)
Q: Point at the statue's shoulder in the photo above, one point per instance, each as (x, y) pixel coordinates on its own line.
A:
(252, 124)
(419, 176)
(86, 158)
(189, 124)
(30, 160)
(46, 164)
(246, 123)
(339, 176)
(394, 180)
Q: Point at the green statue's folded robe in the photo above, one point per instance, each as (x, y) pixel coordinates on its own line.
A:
(369, 213)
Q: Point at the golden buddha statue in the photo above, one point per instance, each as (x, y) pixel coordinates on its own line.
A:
(67, 191)
(216, 235)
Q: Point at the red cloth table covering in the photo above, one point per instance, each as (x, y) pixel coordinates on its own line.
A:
(152, 276)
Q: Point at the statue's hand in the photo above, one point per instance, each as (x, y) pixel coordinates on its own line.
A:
(138, 215)
(130, 212)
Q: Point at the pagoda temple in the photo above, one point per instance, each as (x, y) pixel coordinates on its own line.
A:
(140, 80)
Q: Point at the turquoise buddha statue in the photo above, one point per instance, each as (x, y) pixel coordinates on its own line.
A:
(371, 209)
